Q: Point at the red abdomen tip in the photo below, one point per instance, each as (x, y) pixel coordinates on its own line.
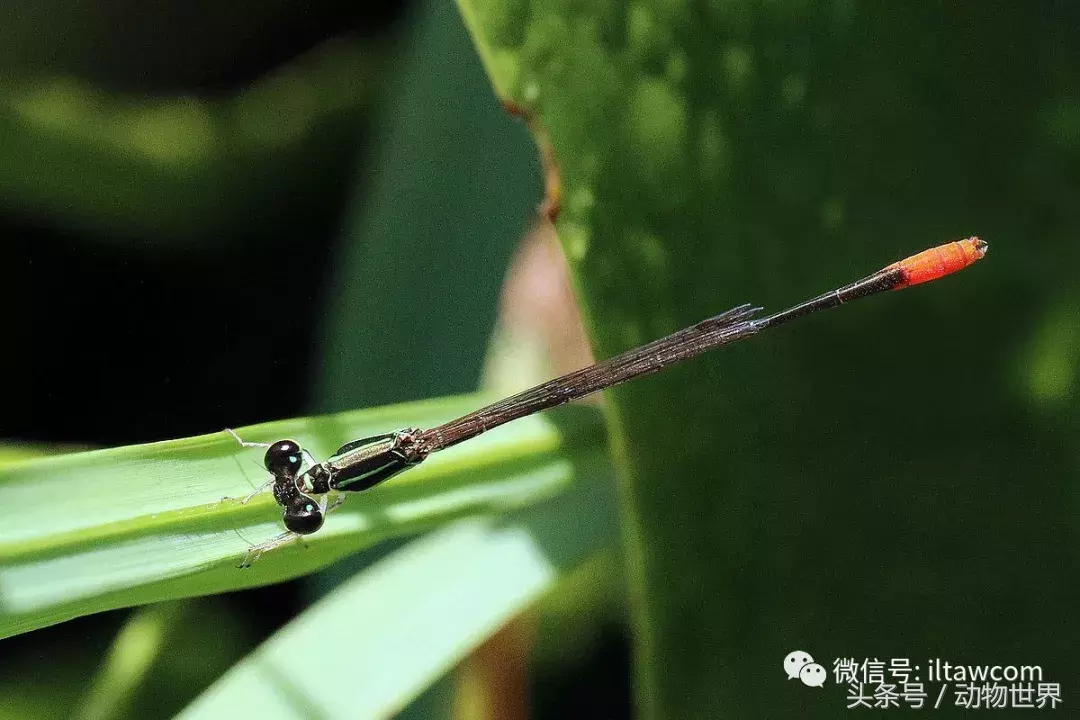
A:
(940, 261)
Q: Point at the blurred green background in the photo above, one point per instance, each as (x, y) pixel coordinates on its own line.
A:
(214, 216)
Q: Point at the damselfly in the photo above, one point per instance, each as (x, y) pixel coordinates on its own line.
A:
(301, 486)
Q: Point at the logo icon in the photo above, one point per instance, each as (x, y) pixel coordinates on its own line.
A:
(799, 665)
(794, 662)
(812, 675)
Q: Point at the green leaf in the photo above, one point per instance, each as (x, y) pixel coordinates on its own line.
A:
(842, 485)
(370, 647)
(453, 177)
(92, 531)
(137, 647)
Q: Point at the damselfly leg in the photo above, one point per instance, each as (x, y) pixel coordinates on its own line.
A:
(257, 551)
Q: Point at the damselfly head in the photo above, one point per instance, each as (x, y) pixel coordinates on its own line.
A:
(283, 458)
(303, 516)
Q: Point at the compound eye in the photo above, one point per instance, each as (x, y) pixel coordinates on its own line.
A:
(304, 519)
(283, 458)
